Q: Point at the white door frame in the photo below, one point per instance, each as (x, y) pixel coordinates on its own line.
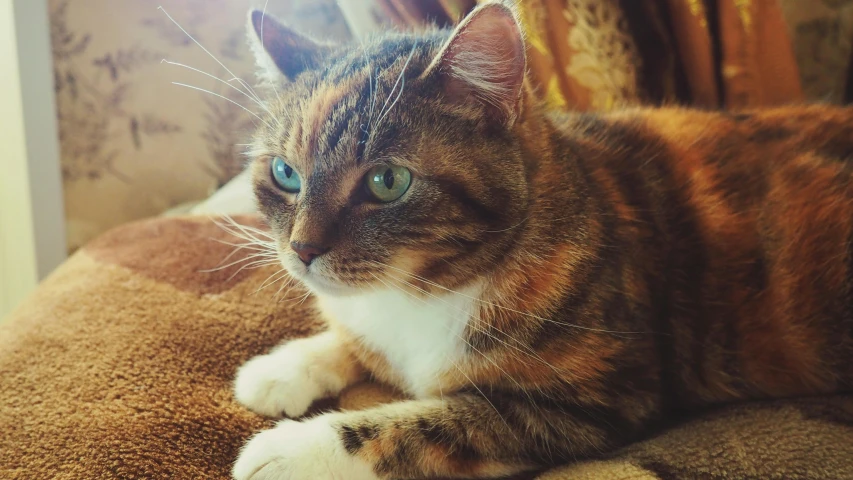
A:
(32, 218)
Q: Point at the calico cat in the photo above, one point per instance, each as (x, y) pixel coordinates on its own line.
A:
(546, 287)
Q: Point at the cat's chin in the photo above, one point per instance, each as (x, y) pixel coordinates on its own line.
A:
(323, 287)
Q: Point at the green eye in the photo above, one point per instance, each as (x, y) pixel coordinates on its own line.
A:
(388, 182)
(285, 176)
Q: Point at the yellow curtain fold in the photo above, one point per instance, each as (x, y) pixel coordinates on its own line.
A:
(606, 54)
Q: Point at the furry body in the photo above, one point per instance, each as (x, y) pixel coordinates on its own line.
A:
(554, 285)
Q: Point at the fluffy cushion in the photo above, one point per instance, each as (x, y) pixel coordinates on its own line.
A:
(120, 366)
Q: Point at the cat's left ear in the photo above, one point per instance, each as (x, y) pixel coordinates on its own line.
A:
(484, 62)
(280, 50)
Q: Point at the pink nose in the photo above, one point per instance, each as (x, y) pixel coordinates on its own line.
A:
(307, 252)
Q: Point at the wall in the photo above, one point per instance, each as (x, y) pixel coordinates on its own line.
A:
(32, 238)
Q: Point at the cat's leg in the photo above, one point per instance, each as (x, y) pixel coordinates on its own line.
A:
(460, 436)
(289, 379)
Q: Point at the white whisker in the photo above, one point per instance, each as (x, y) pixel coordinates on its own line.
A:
(373, 96)
(247, 229)
(228, 84)
(370, 81)
(510, 228)
(262, 253)
(279, 275)
(233, 251)
(251, 266)
(287, 299)
(385, 108)
(246, 85)
(224, 98)
(509, 429)
(373, 84)
(253, 257)
(254, 246)
(305, 297)
(283, 286)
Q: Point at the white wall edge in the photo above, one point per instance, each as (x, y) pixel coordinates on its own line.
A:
(32, 217)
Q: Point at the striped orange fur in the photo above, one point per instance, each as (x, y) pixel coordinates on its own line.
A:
(615, 271)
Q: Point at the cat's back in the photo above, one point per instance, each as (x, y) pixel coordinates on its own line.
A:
(750, 218)
(715, 138)
(772, 196)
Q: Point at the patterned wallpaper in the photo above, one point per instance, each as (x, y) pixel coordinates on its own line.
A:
(822, 31)
(132, 143)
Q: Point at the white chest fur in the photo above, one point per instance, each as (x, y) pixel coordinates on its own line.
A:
(420, 337)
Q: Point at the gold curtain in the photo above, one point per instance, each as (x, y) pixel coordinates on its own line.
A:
(406, 13)
(603, 54)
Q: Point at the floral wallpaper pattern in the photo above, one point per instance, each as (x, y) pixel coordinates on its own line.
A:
(822, 31)
(132, 143)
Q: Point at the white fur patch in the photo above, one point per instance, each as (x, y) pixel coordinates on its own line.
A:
(289, 379)
(309, 450)
(421, 338)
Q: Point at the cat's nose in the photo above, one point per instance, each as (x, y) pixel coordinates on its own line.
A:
(307, 252)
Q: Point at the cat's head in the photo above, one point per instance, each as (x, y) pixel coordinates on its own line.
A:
(395, 157)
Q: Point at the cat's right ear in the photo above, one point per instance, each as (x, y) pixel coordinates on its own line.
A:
(483, 62)
(281, 51)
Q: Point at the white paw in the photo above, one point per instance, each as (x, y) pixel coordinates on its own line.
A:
(280, 383)
(310, 450)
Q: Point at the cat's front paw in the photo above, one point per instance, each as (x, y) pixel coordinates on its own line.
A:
(310, 450)
(280, 383)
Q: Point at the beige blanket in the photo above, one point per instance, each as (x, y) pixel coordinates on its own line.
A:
(120, 366)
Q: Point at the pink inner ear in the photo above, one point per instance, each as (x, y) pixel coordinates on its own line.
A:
(264, 28)
(290, 51)
(486, 59)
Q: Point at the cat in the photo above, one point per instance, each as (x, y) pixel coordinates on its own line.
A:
(545, 286)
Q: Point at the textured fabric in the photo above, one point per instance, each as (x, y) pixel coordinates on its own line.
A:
(822, 34)
(595, 53)
(604, 54)
(405, 13)
(121, 365)
(581, 53)
(758, 66)
(693, 38)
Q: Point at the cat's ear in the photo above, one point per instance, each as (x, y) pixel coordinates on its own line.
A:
(281, 51)
(484, 61)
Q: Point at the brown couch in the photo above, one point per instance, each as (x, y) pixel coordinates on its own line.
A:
(120, 366)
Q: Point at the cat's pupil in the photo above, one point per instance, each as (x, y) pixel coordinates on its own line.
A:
(388, 179)
(288, 171)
